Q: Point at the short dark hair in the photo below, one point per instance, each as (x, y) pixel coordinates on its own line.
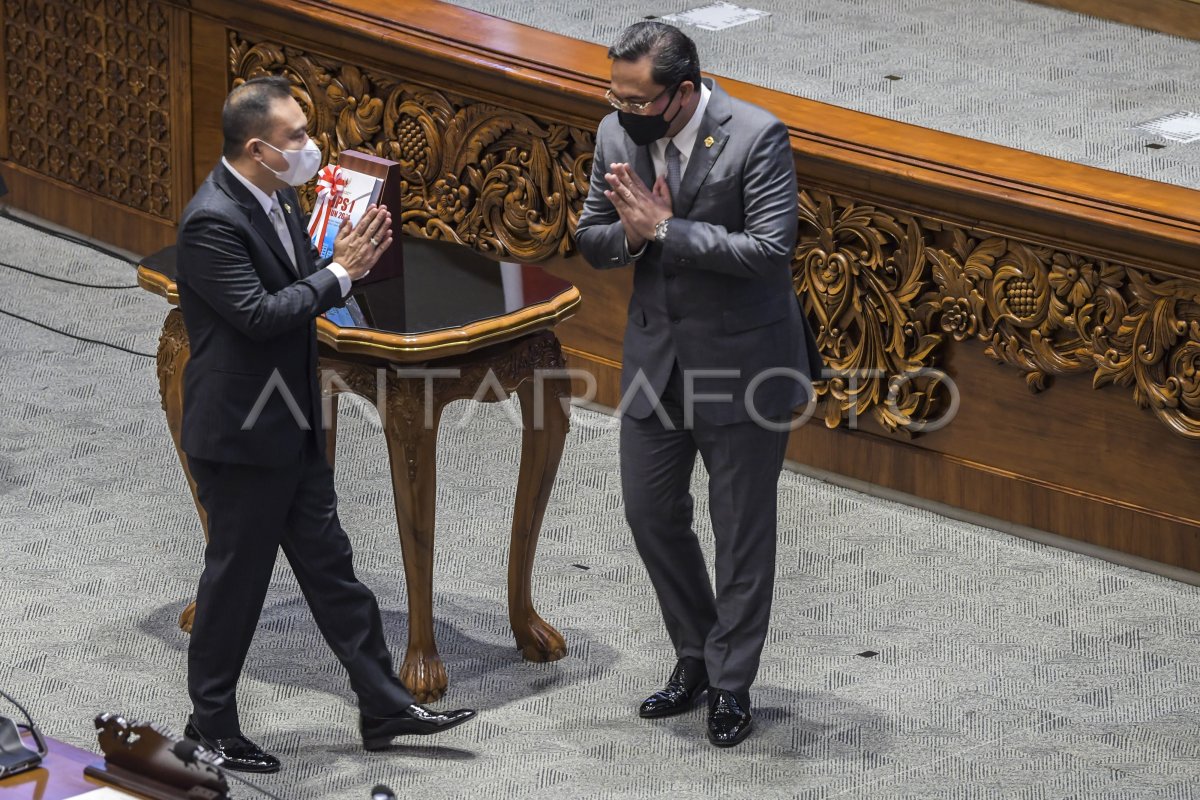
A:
(673, 54)
(247, 111)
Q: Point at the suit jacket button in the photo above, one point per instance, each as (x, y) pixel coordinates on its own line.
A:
(674, 320)
(670, 276)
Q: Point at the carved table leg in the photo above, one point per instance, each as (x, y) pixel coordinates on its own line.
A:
(410, 427)
(412, 453)
(173, 354)
(541, 448)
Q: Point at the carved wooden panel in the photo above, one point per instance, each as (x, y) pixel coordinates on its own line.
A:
(862, 271)
(489, 177)
(887, 290)
(88, 85)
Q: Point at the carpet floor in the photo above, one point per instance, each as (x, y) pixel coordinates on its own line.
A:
(1002, 668)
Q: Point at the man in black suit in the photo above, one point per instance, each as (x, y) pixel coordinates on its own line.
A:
(717, 352)
(250, 288)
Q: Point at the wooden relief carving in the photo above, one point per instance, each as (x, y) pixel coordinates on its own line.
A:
(89, 82)
(495, 179)
(861, 271)
(886, 290)
(1155, 348)
(172, 355)
(1037, 308)
(487, 380)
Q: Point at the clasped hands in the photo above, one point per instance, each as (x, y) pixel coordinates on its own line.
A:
(358, 247)
(639, 207)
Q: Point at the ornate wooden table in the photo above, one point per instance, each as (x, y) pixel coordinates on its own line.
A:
(454, 325)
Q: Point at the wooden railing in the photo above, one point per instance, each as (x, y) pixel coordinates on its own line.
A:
(1009, 334)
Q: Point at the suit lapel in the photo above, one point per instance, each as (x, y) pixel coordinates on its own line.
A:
(259, 221)
(266, 229)
(704, 155)
(643, 165)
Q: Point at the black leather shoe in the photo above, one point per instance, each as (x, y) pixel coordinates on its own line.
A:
(237, 752)
(728, 722)
(378, 732)
(687, 682)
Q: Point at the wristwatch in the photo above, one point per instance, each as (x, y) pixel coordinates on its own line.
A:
(660, 230)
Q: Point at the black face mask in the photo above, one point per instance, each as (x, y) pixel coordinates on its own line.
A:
(643, 128)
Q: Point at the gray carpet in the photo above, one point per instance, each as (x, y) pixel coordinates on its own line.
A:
(1004, 668)
(1003, 71)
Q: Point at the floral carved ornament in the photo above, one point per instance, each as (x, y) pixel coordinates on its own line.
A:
(884, 289)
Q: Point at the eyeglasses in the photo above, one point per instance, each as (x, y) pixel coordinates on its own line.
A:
(635, 108)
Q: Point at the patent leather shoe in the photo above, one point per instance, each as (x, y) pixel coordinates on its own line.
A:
(729, 722)
(688, 681)
(416, 720)
(237, 753)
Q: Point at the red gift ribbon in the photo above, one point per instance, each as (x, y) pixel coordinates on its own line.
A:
(331, 182)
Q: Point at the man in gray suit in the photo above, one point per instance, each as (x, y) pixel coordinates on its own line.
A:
(699, 191)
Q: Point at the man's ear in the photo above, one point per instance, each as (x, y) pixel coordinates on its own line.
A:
(681, 99)
(253, 148)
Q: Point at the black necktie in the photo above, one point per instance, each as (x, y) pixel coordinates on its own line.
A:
(673, 172)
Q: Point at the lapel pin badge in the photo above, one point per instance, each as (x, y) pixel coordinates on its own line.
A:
(709, 141)
(287, 207)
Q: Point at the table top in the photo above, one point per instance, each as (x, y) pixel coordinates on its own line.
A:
(447, 299)
(60, 775)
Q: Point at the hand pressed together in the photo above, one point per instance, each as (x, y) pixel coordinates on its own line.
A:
(358, 247)
(639, 207)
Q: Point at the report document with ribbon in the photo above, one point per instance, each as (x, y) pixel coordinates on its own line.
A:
(345, 191)
(343, 195)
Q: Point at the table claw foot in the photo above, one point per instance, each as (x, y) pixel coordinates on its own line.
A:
(187, 618)
(538, 640)
(424, 675)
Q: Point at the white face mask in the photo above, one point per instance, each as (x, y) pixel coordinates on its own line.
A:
(302, 163)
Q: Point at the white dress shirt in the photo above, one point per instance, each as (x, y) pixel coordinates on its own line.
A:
(267, 201)
(685, 140)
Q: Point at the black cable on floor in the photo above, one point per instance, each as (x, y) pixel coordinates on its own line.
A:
(6, 214)
(64, 280)
(73, 336)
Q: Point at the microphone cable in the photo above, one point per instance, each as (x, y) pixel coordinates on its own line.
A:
(228, 773)
(67, 281)
(6, 214)
(75, 337)
(30, 726)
